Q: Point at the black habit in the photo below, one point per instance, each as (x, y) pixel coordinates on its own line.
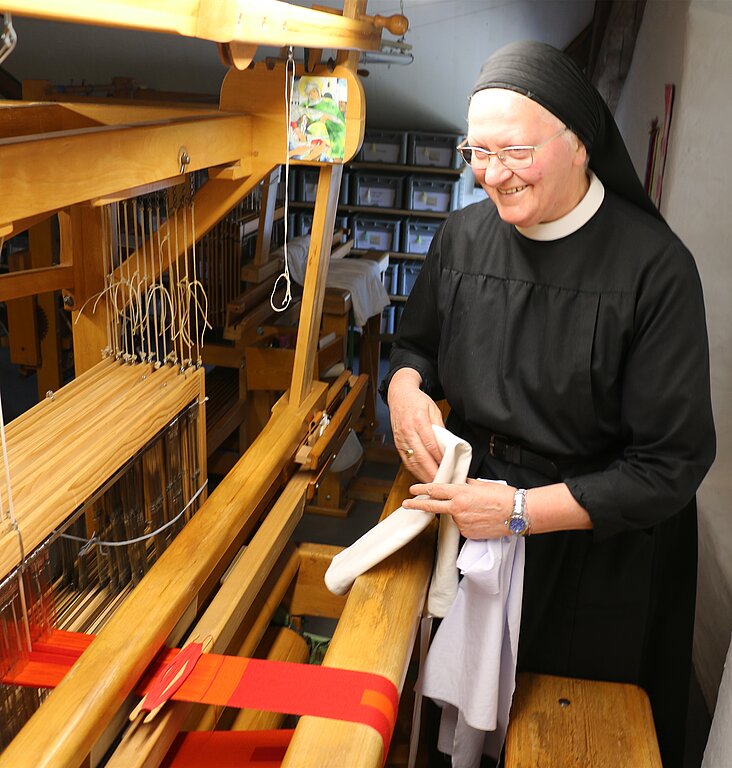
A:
(590, 350)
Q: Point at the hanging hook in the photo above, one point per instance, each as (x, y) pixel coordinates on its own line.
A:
(184, 159)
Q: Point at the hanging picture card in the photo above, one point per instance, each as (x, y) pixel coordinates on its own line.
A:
(317, 124)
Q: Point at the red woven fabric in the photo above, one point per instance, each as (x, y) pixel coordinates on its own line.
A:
(273, 686)
(228, 749)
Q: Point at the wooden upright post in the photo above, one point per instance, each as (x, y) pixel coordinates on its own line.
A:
(266, 217)
(326, 201)
(49, 376)
(83, 242)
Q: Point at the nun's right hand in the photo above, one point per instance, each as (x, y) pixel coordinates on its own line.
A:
(412, 415)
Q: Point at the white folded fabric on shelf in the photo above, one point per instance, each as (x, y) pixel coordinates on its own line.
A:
(359, 276)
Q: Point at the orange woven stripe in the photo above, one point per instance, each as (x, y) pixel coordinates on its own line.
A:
(377, 700)
(220, 685)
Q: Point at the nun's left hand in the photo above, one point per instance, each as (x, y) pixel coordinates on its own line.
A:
(480, 510)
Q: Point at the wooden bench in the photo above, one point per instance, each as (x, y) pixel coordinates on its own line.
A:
(557, 722)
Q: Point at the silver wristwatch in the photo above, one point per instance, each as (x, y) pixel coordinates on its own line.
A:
(519, 524)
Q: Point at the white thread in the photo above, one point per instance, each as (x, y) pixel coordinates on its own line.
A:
(161, 242)
(145, 236)
(174, 281)
(185, 304)
(88, 543)
(137, 273)
(106, 252)
(199, 360)
(289, 88)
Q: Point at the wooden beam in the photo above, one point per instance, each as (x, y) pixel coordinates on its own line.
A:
(49, 376)
(118, 112)
(82, 235)
(51, 171)
(582, 722)
(326, 201)
(267, 22)
(266, 217)
(124, 92)
(23, 119)
(22, 319)
(21, 225)
(31, 281)
(146, 744)
(375, 634)
(308, 595)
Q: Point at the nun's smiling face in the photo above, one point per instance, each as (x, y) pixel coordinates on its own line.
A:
(555, 181)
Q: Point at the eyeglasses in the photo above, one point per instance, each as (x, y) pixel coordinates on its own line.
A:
(513, 158)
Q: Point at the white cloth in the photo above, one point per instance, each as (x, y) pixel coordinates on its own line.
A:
(471, 666)
(403, 525)
(359, 276)
(718, 752)
(363, 279)
(470, 669)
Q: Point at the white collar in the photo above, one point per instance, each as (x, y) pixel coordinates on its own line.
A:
(572, 221)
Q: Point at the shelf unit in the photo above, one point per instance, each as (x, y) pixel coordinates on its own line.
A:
(360, 165)
(394, 230)
(378, 210)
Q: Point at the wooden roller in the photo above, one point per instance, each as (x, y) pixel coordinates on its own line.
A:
(396, 24)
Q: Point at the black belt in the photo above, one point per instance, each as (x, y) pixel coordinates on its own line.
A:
(513, 453)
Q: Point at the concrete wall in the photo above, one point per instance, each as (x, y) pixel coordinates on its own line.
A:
(687, 42)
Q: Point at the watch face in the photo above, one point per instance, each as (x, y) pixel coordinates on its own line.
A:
(517, 525)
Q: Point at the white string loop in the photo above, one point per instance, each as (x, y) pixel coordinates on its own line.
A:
(289, 89)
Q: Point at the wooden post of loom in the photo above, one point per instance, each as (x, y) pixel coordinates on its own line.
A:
(82, 243)
(22, 319)
(308, 331)
(49, 374)
(262, 264)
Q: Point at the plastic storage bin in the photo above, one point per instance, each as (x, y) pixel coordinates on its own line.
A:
(408, 271)
(387, 320)
(391, 279)
(375, 234)
(305, 222)
(306, 184)
(432, 194)
(376, 190)
(417, 235)
(384, 147)
(436, 149)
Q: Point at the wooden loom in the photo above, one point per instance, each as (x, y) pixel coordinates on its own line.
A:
(72, 159)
